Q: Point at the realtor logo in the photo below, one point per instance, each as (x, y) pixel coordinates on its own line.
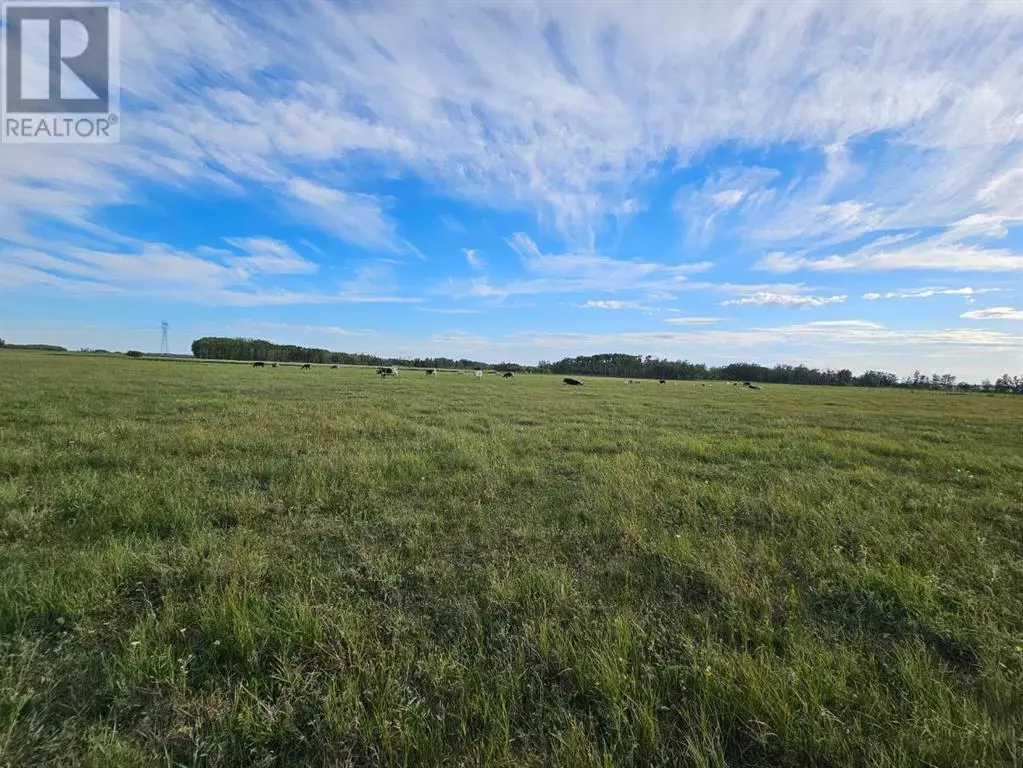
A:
(61, 82)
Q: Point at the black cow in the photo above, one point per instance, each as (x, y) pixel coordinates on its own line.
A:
(662, 381)
(431, 372)
(306, 366)
(573, 382)
(508, 375)
(273, 365)
(258, 365)
(333, 367)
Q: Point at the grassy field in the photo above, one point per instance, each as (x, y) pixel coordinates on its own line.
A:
(207, 564)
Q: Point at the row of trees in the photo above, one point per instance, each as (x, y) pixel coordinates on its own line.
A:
(44, 347)
(220, 348)
(613, 364)
(636, 366)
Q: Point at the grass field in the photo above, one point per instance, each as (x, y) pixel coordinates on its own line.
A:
(207, 564)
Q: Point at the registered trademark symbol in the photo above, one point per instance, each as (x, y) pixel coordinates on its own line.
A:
(113, 119)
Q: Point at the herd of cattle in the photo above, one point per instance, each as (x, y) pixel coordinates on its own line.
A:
(387, 371)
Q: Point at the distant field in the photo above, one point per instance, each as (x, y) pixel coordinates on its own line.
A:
(218, 565)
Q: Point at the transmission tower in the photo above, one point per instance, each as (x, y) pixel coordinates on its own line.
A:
(164, 348)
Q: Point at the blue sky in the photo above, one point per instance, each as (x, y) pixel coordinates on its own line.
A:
(840, 185)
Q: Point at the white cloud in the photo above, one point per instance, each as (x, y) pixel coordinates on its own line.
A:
(577, 273)
(610, 304)
(329, 330)
(926, 293)
(994, 313)
(357, 218)
(473, 257)
(765, 299)
(210, 276)
(693, 320)
(928, 255)
(268, 256)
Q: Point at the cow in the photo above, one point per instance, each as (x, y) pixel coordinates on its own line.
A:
(573, 382)
(306, 366)
(333, 367)
(478, 374)
(258, 364)
(387, 371)
(507, 375)
(431, 372)
(754, 386)
(661, 381)
(273, 365)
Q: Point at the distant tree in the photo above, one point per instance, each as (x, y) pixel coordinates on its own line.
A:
(1005, 383)
(3, 343)
(134, 353)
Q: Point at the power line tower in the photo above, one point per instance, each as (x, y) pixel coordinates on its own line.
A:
(164, 348)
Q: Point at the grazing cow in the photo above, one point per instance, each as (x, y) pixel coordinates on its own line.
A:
(387, 371)
(306, 366)
(573, 382)
(273, 365)
(431, 372)
(735, 383)
(478, 374)
(258, 364)
(507, 375)
(333, 367)
(662, 381)
(747, 384)
(754, 386)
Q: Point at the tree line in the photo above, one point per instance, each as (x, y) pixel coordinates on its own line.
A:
(612, 364)
(648, 367)
(221, 348)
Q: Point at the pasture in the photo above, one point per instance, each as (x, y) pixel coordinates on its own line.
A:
(210, 564)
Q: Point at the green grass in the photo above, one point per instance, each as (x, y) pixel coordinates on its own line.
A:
(206, 564)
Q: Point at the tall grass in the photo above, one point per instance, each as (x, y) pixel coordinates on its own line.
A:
(213, 565)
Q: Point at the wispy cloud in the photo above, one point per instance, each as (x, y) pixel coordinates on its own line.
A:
(268, 256)
(452, 311)
(766, 299)
(612, 304)
(211, 276)
(473, 258)
(358, 218)
(693, 320)
(329, 330)
(994, 313)
(929, 255)
(926, 293)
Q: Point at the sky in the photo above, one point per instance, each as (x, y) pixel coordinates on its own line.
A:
(833, 184)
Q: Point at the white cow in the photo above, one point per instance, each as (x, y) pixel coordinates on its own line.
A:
(478, 374)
